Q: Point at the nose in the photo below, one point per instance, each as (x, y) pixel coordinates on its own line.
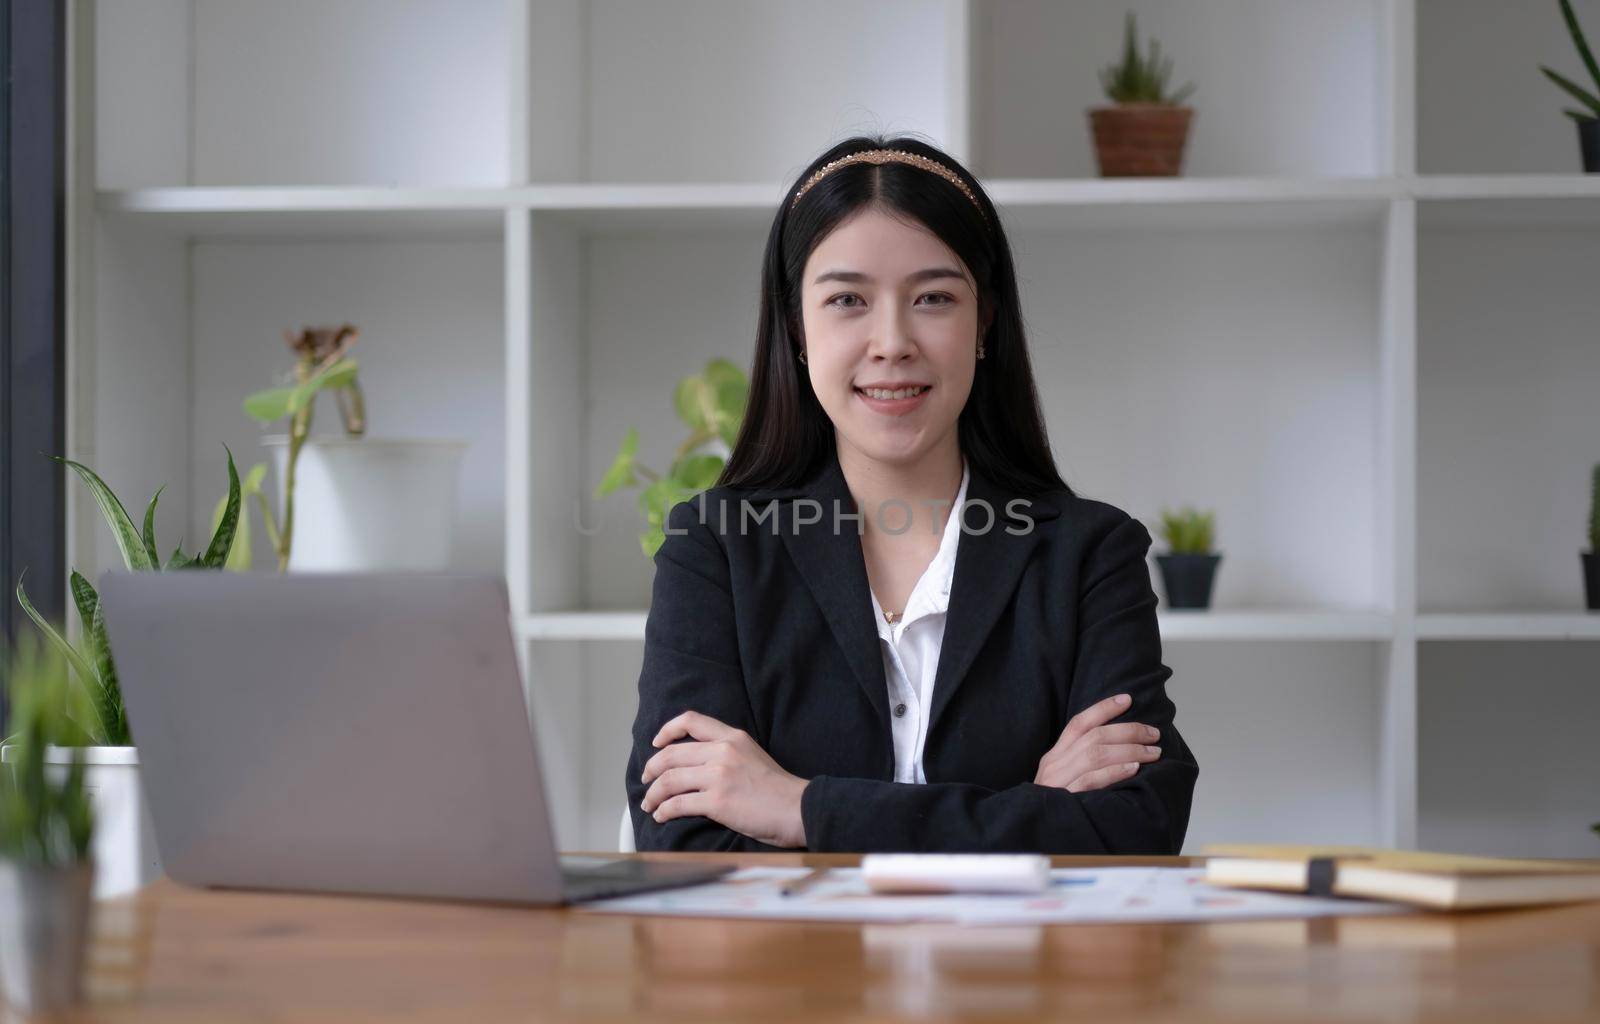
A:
(891, 339)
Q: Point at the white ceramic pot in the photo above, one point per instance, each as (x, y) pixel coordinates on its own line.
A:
(43, 934)
(369, 504)
(124, 844)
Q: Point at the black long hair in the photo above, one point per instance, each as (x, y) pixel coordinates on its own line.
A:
(786, 433)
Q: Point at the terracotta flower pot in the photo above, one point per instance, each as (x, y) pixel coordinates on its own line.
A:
(1140, 139)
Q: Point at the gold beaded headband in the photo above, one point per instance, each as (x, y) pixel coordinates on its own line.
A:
(883, 156)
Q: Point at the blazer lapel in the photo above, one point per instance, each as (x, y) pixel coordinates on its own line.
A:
(834, 567)
(990, 558)
(989, 563)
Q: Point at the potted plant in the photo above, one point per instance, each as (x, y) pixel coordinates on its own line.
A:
(1588, 119)
(47, 825)
(125, 846)
(375, 503)
(1189, 569)
(1144, 132)
(712, 405)
(1591, 558)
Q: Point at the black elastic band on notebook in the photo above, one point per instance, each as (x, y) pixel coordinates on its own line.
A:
(1320, 872)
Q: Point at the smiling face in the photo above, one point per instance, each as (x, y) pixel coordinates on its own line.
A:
(891, 325)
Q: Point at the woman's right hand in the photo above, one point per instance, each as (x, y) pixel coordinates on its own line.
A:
(1092, 755)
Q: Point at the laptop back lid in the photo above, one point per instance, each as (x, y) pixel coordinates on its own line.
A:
(333, 732)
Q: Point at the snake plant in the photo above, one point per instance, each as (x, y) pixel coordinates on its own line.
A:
(93, 664)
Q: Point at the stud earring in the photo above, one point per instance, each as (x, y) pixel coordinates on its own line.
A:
(980, 350)
(802, 357)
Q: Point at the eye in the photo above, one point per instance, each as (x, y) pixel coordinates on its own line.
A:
(948, 299)
(842, 295)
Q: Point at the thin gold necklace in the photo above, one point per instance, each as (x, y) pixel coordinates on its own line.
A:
(889, 617)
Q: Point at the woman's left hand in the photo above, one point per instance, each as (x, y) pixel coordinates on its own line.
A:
(724, 775)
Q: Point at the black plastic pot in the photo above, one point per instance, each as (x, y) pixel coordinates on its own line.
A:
(1591, 580)
(1188, 579)
(1589, 144)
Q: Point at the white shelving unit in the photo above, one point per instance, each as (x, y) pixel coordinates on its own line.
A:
(542, 214)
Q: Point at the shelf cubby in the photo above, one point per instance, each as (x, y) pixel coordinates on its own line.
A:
(1507, 417)
(1508, 759)
(356, 92)
(1036, 64)
(1483, 107)
(714, 91)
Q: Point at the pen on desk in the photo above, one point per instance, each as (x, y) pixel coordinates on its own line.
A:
(802, 883)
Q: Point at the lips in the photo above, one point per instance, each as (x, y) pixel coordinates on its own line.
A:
(910, 399)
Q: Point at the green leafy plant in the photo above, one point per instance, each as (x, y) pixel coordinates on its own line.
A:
(321, 364)
(1188, 531)
(712, 404)
(1573, 89)
(240, 557)
(93, 664)
(1594, 512)
(1141, 79)
(43, 822)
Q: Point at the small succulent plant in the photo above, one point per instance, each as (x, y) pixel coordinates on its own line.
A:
(1188, 531)
(1141, 79)
(1594, 512)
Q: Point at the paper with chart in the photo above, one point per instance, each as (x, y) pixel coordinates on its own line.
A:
(1076, 895)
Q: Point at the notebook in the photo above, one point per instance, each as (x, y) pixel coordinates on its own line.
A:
(1438, 880)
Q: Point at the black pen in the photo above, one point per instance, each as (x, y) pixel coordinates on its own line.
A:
(803, 882)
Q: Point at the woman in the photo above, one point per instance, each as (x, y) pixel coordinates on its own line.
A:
(891, 625)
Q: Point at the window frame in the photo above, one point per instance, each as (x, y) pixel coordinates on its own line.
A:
(33, 297)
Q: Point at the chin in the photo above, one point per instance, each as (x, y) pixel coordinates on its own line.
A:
(882, 446)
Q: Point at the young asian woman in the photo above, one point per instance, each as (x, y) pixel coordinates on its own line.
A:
(891, 625)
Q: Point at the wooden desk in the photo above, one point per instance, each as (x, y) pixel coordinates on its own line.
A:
(174, 954)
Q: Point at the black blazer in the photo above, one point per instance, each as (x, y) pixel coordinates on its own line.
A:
(767, 624)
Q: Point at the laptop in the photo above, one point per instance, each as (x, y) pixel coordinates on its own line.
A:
(343, 733)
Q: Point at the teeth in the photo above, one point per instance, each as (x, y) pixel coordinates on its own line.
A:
(884, 393)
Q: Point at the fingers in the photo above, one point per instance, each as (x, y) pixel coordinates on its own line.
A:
(1126, 732)
(1121, 732)
(1094, 716)
(1102, 777)
(685, 805)
(1116, 753)
(1063, 765)
(678, 755)
(675, 781)
(695, 725)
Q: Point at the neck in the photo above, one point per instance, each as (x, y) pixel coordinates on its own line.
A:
(883, 490)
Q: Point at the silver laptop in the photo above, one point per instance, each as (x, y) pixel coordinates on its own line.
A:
(344, 733)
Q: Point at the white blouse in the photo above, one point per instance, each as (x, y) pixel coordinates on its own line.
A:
(911, 647)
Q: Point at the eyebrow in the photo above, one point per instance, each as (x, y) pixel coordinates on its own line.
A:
(856, 277)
